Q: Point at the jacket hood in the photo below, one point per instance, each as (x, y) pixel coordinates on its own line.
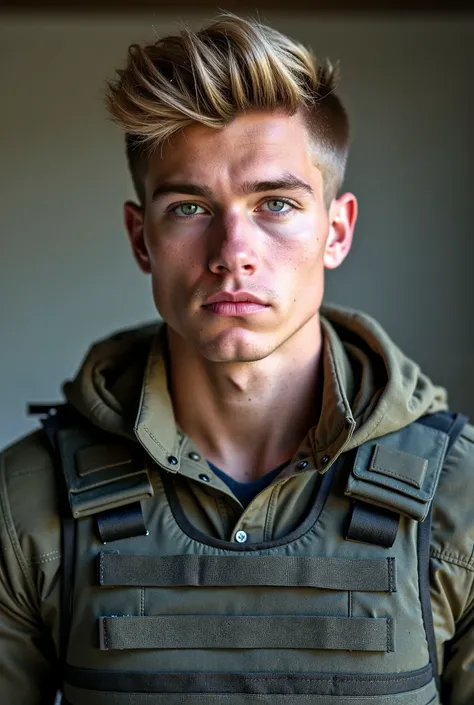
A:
(384, 388)
(378, 388)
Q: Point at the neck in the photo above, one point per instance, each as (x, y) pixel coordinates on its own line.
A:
(248, 418)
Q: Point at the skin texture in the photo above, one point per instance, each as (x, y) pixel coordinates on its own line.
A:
(211, 225)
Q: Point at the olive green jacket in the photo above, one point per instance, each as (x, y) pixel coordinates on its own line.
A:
(370, 389)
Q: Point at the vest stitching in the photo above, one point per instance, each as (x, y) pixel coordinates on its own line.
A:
(269, 519)
(391, 578)
(44, 558)
(106, 636)
(450, 558)
(155, 439)
(349, 609)
(10, 527)
(390, 645)
(142, 602)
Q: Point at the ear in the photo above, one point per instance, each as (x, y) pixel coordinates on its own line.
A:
(342, 220)
(134, 218)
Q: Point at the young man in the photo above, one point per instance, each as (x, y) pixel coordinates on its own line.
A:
(239, 505)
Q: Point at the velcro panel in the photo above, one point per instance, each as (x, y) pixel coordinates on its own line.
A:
(408, 468)
(370, 575)
(400, 471)
(101, 457)
(246, 632)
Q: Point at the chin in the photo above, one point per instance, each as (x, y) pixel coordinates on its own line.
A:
(235, 345)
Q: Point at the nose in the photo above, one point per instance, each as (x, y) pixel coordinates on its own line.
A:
(234, 247)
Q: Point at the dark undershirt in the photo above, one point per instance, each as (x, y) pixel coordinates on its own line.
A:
(246, 491)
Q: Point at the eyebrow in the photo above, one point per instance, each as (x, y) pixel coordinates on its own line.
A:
(288, 182)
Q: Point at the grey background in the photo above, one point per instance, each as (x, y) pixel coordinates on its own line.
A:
(66, 274)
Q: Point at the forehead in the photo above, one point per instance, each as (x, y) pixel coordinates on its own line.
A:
(252, 146)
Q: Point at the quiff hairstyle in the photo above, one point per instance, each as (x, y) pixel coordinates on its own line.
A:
(230, 67)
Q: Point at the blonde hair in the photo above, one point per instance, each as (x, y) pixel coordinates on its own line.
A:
(230, 67)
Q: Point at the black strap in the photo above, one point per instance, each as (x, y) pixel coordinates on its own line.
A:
(58, 417)
(370, 524)
(121, 523)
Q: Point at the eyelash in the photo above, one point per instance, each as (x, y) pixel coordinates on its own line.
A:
(170, 210)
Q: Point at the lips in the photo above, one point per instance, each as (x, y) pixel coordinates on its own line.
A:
(240, 303)
(237, 297)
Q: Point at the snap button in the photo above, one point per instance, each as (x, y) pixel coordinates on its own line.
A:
(172, 460)
(241, 536)
(194, 456)
(204, 478)
(325, 460)
(302, 465)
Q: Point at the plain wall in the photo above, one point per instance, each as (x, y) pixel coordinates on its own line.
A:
(66, 273)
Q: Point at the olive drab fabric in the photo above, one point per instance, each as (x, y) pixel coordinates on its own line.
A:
(169, 616)
(180, 595)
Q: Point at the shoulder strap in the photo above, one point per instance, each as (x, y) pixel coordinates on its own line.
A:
(446, 421)
(378, 525)
(53, 419)
(452, 424)
(96, 474)
(398, 475)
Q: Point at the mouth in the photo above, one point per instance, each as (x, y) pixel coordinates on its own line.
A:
(240, 303)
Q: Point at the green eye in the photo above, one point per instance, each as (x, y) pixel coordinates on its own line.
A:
(276, 206)
(187, 209)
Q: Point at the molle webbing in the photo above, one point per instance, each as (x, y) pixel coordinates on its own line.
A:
(246, 632)
(258, 684)
(369, 575)
(77, 696)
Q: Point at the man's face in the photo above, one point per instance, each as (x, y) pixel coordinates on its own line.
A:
(232, 214)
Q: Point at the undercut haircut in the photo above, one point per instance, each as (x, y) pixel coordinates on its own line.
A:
(231, 67)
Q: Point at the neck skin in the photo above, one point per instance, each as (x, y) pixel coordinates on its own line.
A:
(248, 418)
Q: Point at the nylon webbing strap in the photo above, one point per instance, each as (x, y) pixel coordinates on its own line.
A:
(121, 523)
(374, 525)
(246, 632)
(78, 696)
(260, 683)
(117, 569)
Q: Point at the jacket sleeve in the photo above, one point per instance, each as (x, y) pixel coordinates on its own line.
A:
(452, 572)
(28, 662)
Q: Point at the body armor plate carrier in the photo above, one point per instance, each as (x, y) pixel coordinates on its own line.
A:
(155, 612)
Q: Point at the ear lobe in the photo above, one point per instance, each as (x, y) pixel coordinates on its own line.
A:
(342, 218)
(134, 224)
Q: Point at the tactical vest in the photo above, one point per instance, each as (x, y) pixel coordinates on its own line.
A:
(337, 612)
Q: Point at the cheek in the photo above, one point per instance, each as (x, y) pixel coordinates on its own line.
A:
(302, 273)
(301, 256)
(174, 270)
